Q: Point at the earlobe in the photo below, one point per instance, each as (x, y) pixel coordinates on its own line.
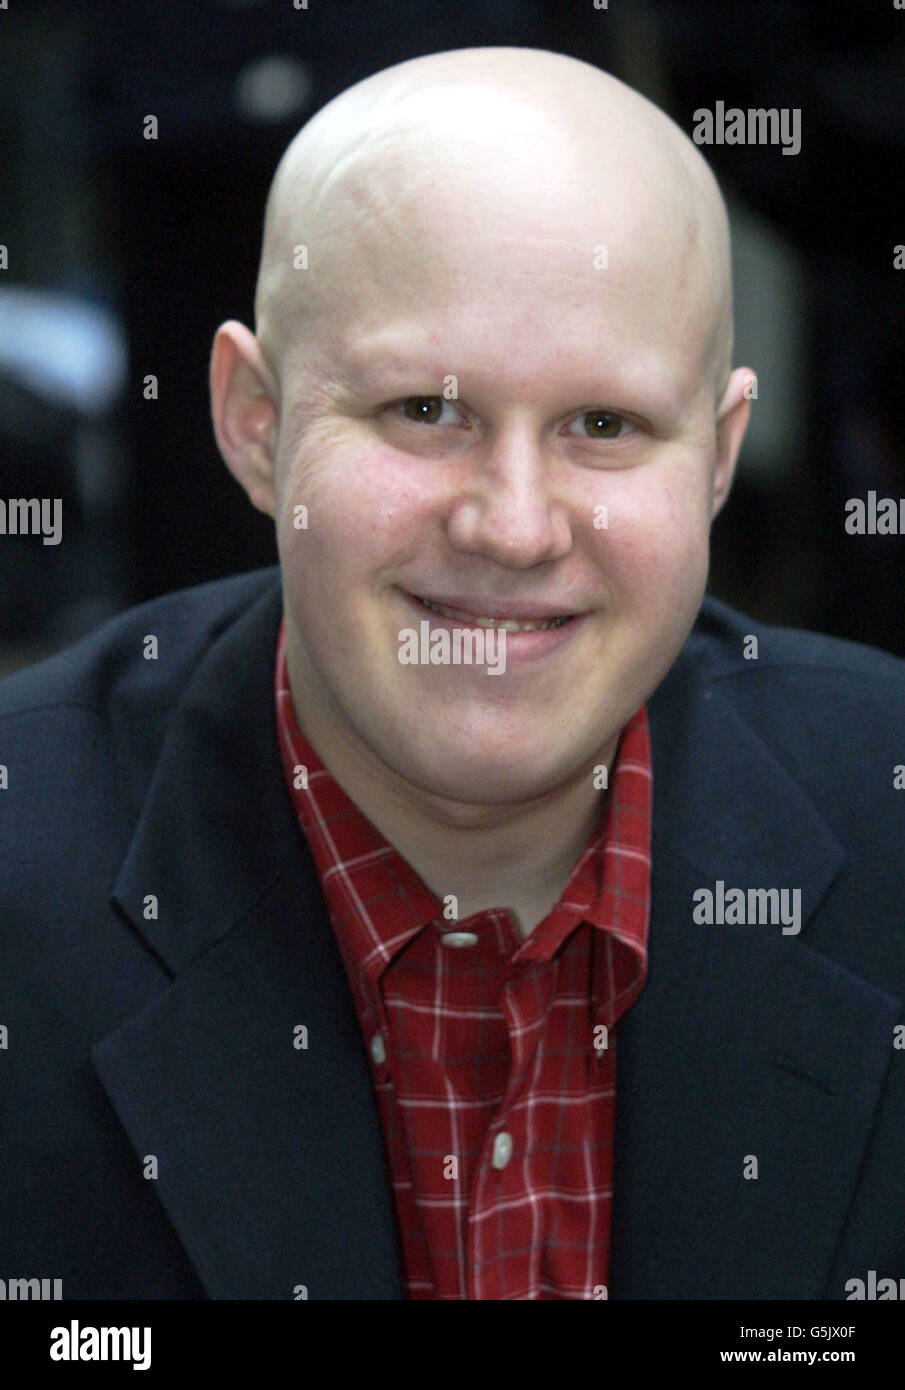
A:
(732, 422)
(244, 411)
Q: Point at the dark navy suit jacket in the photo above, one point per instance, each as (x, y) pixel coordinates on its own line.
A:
(134, 1037)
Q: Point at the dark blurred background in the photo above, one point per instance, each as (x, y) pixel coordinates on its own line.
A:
(124, 254)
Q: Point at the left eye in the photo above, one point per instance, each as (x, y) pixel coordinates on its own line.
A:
(427, 410)
(602, 424)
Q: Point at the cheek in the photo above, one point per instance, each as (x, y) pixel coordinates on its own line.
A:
(365, 513)
(656, 545)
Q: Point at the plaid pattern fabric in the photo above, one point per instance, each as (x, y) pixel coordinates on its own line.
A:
(494, 1063)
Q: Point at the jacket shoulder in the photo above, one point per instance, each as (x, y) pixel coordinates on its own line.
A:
(829, 710)
(720, 647)
(108, 671)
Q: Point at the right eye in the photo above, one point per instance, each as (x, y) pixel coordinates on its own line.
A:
(426, 410)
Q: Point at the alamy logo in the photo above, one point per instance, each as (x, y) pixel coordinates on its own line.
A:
(463, 646)
(754, 907)
(32, 516)
(76, 1343)
(24, 1289)
(873, 516)
(874, 1288)
(757, 126)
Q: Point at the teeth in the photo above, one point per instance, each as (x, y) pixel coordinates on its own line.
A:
(503, 624)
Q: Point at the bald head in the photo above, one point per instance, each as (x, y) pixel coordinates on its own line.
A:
(419, 168)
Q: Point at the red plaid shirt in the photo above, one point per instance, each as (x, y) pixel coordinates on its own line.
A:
(495, 1092)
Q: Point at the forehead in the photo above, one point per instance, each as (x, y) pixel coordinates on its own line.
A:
(523, 265)
(518, 315)
(402, 359)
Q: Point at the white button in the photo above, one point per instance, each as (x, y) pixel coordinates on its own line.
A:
(459, 938)
(378, 1051)
(502, 1149)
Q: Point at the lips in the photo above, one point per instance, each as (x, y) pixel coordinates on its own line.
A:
(530, 619)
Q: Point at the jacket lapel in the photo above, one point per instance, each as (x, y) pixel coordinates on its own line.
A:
(744, 1044)
(270, 1157)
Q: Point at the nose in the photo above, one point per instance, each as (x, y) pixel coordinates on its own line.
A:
(508, 511)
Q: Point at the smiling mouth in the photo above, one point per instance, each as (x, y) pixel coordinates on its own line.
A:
(503, 624)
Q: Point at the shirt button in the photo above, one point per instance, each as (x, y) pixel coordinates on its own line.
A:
(502, 1149)
(459, 938)
(378, 1050)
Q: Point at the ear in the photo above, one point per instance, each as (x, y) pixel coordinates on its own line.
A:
(245, 411)
(731, 424)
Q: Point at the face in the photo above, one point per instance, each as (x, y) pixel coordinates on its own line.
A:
(501, 419)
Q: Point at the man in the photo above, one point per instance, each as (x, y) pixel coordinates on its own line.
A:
(463, 911)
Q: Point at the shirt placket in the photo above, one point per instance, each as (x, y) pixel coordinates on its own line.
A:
(504, 1168)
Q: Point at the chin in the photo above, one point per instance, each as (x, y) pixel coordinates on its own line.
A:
(475, 777)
